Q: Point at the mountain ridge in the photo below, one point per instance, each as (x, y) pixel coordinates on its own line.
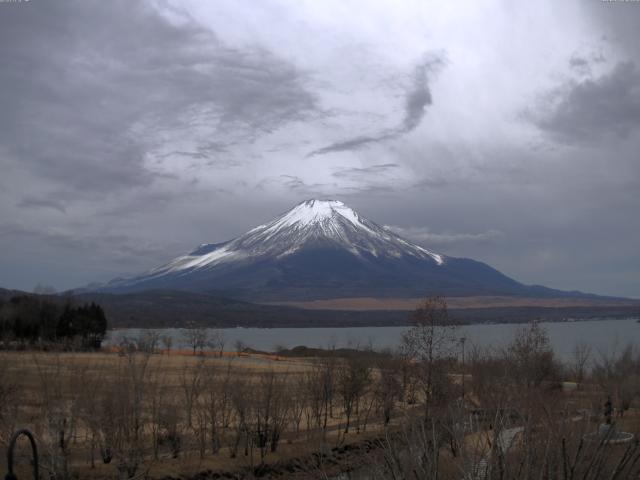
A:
(323, 249)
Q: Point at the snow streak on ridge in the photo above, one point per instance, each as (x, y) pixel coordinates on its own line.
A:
(312, 222)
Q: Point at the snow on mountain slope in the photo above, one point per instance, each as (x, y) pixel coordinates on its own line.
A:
(321, 249)
(328, 221)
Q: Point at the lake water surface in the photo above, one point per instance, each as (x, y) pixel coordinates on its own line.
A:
(604, 336)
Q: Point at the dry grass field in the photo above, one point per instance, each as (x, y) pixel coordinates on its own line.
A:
(409, 304)
(160, 412)
(131, 413)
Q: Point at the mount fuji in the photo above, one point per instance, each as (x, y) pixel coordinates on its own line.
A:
(322, 249)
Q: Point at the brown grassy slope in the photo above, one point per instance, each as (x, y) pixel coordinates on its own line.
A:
(369, 303)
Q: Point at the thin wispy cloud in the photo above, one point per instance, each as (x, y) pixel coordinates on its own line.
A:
(41, 202)
(425, 236)
(417, 99)
(360, 172)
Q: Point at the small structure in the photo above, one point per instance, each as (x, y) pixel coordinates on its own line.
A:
(607, 433)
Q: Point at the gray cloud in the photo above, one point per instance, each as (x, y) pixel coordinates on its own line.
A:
(157, 129)
(295, 184)
(354, 143)
(424, 235)
(91, 91)
(121, 248)
(417, 99)
(41, 202)
(578, 62)
(583, 62)
(588, 110)
(356, 172)
(361, 187)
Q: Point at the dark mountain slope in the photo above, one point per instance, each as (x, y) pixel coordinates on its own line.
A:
(324, 249)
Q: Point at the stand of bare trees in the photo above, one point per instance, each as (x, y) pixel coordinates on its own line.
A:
(140, 408)
(517, 422)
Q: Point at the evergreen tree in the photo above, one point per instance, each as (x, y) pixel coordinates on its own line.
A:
(32, 319)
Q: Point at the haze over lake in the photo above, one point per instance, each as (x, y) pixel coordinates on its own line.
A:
(605, 336)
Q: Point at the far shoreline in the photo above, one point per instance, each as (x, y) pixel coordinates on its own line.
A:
(407, 325)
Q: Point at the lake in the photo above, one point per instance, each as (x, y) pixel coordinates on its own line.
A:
(604, 336)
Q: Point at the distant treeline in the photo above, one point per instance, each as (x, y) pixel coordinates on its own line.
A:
(177, 309)
(39, 320)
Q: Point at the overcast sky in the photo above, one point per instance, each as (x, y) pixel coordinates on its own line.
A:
(504, 131)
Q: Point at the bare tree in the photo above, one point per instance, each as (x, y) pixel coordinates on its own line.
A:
(89, 414)
(321, 382)
(167, 342)
(241, 402)
(196, 338)
(580, 359)
(299, 401)
(239, 346)
(60, 411)
(170, 421)
(269, 411)
(489, 375)
(388, 389)
(217, 341)
(200, 421)
(124, 419)
(618, 376)
(431, 340)
(352, 380)
(156, 405)
(191, 380)
(217, 403)
(531, 356)
(149, 341)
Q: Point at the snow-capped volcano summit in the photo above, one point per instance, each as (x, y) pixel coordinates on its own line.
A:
(333, 220)
(321, 249)
(328, 223)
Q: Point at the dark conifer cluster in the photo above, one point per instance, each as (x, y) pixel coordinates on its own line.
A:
(32, 320)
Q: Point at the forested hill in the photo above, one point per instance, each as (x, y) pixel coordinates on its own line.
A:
(178, 308)
(164, 309)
